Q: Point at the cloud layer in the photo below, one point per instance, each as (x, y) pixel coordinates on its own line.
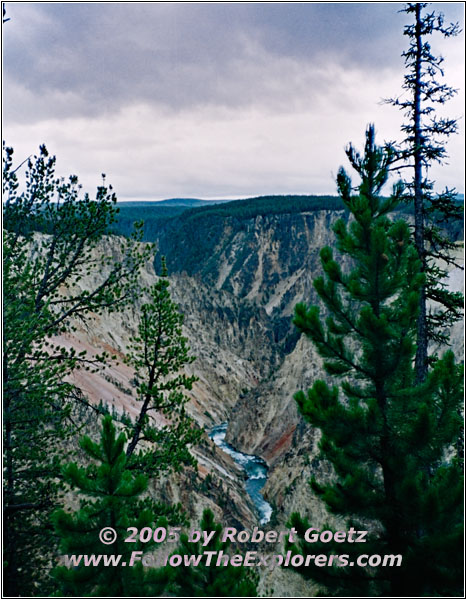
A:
(207, 99)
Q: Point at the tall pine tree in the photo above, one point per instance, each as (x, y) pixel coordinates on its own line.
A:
(390, 441)
(424, 144)
(158, 353)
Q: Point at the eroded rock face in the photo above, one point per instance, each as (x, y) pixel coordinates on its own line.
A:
(238, 323)
(238, 304)
(270, 260)
(216, 328)
(256, 272)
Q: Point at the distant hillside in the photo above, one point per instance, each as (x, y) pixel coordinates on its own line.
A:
(190, 202)
(185, 213)
(199, 222)
(264, 206)
(154, 213)
(185, 202)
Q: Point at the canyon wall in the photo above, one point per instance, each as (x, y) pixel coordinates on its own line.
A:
(237, 282)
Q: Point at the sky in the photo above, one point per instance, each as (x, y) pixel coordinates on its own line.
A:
(212, 100)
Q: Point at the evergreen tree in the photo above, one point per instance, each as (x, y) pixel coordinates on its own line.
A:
(158, 353)
(49, 245)
(210, 580)
(390, 441)
(424, 144)
(110, 498)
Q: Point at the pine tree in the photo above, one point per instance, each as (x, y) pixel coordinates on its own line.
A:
(110, 498)
(158, 354)
(49, 245)
(210, 580)
(389, 440)
(424, 144)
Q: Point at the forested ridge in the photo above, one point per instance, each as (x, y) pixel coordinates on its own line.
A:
(159, 215)
(194, 239)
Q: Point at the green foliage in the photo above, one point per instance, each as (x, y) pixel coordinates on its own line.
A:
(390, 441)
(210, 581)
(110, 498)
(158, 353)
(263, 206)
(43, 293)
(151, 214)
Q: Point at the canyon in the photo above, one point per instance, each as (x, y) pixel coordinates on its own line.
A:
(236, 281)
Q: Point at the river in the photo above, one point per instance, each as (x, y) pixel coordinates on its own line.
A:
(255, 468)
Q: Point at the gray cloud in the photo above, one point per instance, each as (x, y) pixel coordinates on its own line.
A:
(207, 98)
(92, 58)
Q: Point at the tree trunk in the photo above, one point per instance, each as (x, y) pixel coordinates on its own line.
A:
(421, 364)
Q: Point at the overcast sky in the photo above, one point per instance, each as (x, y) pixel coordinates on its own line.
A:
(211, 100)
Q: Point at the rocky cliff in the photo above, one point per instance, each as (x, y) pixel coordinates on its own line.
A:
(237, 281)
(269, 261)
(263, 265)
